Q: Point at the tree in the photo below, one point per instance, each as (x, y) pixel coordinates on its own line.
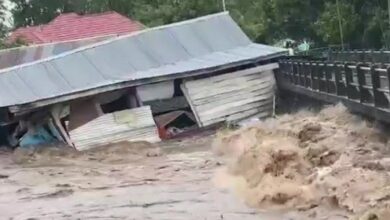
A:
(328, 22)
(35, 12)
(3, 26)
(268, 21)
(364, 23)
(255, 17)
(159, 12)
(150, 12)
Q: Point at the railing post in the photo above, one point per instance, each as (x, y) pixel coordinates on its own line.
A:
(311, 69)
(363, 91)
(348, 80)
(338, 78)
(305, 80)
(281, 70)
(372, 60)
(388, 78)
(299, 71)
(363, 56)
(375, 86)
(319, 76)
(291, 71)
(316, 82)
(387, 57)
(382, 57)
(325, 73)
(294, 72)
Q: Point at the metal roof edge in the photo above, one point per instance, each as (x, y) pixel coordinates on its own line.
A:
(104, 42)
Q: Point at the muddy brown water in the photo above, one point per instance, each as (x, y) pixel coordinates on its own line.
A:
(180, 179)
(170, 180)
(312, 162)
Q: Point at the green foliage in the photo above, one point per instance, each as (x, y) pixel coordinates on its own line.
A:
(328, 22)
(364, 23)
(3, 27)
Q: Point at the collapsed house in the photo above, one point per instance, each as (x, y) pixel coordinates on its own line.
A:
(143, 86)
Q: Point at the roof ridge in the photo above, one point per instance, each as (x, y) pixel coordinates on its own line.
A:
(91, 14)
(44, 27)
(58, 16)
(65, 14)
(100, 13)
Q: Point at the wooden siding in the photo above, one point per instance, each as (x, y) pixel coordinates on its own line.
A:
(233, 96)
(128, 125)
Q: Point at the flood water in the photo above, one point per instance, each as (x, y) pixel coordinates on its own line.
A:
(119, 184)
(330, 155)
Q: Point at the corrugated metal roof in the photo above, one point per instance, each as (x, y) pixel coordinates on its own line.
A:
(191, 46)
(26, 54)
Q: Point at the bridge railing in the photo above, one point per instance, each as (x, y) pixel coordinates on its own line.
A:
(362, 83)
(363, 56)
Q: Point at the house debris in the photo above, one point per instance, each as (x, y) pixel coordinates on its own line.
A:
(174, 123)
(128, 125)
(143, 86)
(233, 96)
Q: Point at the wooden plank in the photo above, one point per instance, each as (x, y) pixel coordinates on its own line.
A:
(258, 106)
(265, 112)
(239, 104)
(227, 82)
(200, 92)
(242, 115)
(212, 96)
(226, 97)
(233, 75)
(230, 97)
(228, 111)
(141, 135)
(56, 116)
(184, 89)
(210, 103)
(129, 125)
(234, 85)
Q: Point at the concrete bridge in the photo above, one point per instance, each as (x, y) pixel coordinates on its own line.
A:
(362, 86)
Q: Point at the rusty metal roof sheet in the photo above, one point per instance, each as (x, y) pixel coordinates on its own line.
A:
(199, 46)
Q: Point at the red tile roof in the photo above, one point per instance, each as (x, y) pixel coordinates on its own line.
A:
(72, 26)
